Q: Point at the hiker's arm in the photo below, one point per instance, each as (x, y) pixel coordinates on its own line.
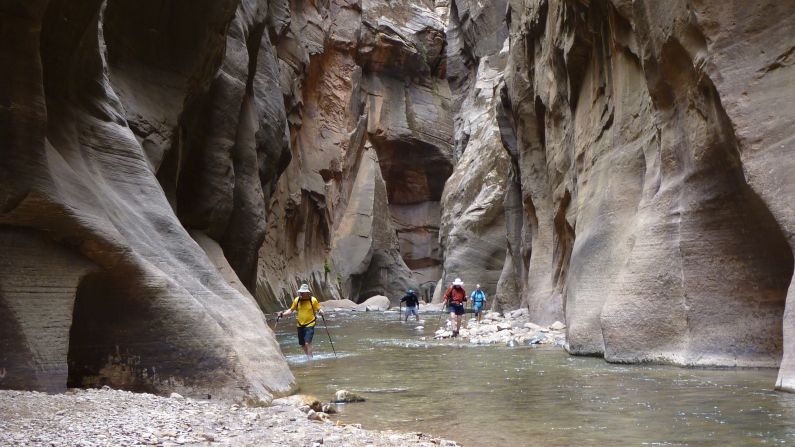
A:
(285, 313)
(318, 310)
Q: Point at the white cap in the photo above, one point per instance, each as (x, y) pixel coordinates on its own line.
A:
(304, 288)
(477, 285)
(458, 282)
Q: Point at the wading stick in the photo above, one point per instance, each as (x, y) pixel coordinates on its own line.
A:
(400, 311)
(329, 335)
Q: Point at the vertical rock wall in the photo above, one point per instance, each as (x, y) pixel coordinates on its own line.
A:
(639, 133)
(370, 76)
(125, 124)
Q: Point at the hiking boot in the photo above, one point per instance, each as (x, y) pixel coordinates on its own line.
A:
(455, 333)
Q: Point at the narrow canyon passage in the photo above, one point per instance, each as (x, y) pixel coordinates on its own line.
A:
(172, 172)
(531, 396)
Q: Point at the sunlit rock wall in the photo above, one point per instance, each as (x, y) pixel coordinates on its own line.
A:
(356, 213)
(474, 216)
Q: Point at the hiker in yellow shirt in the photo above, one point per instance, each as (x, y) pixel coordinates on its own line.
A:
(307, 307)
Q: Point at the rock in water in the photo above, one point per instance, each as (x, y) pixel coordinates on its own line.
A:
(538, 338)
(345, 396)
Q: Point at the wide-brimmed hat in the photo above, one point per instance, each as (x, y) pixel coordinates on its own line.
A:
(304, 289)
(458, 282)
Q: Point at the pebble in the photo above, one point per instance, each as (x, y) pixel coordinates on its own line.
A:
(105, 417)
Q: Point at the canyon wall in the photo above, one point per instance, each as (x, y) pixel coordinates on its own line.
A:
(356, 213)
(172, 168)
(648, 192)
(140, 140)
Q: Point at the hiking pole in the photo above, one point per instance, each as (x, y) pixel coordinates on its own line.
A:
(400, 311)
(329, 335)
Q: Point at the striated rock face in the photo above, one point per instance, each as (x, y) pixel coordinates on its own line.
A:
(633, 158)
(356, 213)
(168, 169)
(125, 124)
(475, 218)
(652, 145)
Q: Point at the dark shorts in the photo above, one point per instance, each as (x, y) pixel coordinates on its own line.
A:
(457, 308)
(305, 335)
(411, 311)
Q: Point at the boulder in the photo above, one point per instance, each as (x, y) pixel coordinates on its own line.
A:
(339, 305)
(557, 326)
(345, 396)
(375, 303)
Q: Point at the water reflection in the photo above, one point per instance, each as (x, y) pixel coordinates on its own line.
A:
(533, 396)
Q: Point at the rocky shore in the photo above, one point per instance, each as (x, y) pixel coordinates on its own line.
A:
(101, 417)
(512, 329)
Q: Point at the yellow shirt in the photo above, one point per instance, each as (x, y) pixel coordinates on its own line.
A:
(306, 312)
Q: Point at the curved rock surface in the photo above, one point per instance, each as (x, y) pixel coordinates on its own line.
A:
(642, 130)
(622, 165)
(125, 124)
(356, 213)
(168, 169)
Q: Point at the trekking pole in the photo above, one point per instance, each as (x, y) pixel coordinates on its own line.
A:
(400, 311)
(276, 322)
(329, 335)
(440, 316)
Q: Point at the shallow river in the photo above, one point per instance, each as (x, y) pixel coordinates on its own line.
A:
(525, 396)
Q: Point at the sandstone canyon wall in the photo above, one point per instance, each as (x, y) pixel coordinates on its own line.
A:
(169, 168)
(125, 125)
(648, 197)
(356, 213)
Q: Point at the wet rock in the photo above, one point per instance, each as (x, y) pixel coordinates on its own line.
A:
(345, 396)
(503, 326)
(538, 338)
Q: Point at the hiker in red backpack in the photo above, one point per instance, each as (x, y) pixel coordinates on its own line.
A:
(455, 297)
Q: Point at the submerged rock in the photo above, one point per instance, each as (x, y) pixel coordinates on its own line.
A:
(345, 396)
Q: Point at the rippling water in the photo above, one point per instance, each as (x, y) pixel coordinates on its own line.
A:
(484, 396)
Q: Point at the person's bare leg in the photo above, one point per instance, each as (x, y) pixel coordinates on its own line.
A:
(308, 350)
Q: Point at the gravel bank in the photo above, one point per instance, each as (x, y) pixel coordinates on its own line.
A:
(512, 329)
(110, 417)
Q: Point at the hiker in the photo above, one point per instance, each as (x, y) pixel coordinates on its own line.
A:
(478, 298)
(307, 307)
(455, 297)
(412, 303)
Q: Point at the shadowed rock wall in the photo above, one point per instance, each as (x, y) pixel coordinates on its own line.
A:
(651, 145)
(124, 124)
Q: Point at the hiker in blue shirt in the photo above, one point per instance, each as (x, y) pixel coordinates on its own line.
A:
(478, 298)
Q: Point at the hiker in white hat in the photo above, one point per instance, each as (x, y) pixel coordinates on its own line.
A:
(307, 307)
(455, 297)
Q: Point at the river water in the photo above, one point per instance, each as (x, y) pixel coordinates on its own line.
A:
(526, 396)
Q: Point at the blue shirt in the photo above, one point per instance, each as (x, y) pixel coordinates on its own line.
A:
(478, 296)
